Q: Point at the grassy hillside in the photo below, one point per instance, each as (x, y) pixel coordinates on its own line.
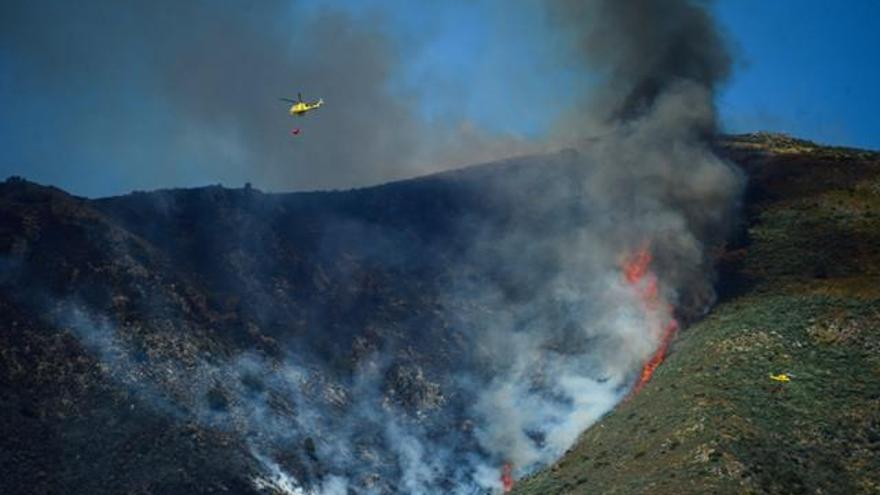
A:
(800, 294)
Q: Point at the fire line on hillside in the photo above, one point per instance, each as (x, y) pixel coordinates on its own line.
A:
(638, 275)
(658, 314)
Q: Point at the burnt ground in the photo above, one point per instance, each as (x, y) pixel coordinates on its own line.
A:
(800, 294)
(129, 326)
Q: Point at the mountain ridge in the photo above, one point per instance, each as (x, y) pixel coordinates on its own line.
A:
(184, 275)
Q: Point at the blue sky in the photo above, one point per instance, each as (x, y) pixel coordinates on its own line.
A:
(807, 67)
(93, 99)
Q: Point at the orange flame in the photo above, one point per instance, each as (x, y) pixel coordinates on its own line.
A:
(637, 273)
(657, 358)
(507, 477)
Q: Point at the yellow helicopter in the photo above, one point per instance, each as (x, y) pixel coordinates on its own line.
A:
(299, 107)
(782, 377)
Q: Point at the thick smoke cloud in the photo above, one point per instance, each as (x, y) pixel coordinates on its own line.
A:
(652, 183)
(646, 47)
(660, 62)
(549, 334)
(186, 93)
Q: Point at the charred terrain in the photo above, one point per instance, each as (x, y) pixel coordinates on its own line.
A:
(215, 340)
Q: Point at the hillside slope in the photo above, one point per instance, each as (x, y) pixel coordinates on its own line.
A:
(173, 341)
(800, 295)
(201, 340)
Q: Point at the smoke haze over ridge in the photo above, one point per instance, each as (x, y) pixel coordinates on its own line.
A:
(169, 93)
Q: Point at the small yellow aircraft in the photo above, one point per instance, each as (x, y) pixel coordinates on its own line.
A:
(782, 377)
(299, 107)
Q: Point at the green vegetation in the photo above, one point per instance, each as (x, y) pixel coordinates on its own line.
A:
(800, 295)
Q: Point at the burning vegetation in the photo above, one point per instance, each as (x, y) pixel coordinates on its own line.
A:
(658, 314)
